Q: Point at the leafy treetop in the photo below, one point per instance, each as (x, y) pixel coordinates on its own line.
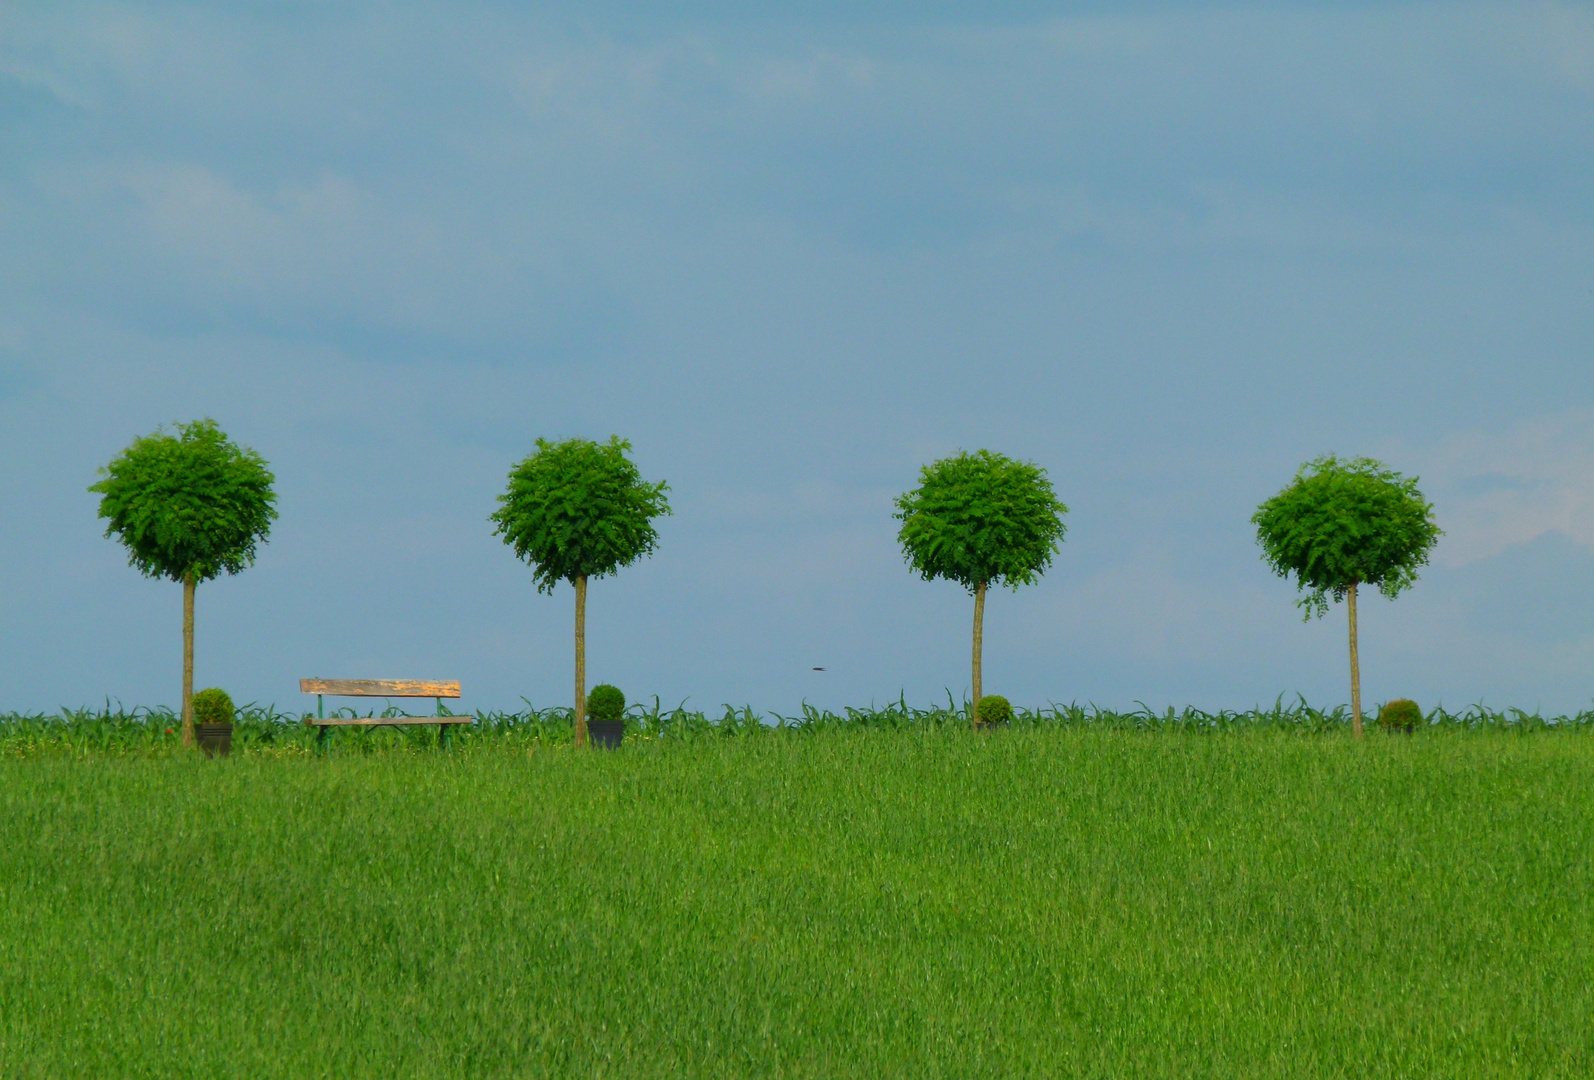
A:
(1346, 522)
(579, 509)
(981, 518)
(193, 502)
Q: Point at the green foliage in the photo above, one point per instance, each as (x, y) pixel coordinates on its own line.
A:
(605, 702)
(981, 518)
(191, 502)
(1400, 713)
(213, 706)
(579, 509)
(993, 709)
(1346, 522)
(1060, 902)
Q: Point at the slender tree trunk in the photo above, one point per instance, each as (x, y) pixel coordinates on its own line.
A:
(581, 660)
(979, 643)
(1355, 668)
(188, 659)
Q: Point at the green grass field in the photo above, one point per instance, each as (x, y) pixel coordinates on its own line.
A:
(1051, 900)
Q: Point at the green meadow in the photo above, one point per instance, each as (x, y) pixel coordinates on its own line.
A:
(1146, 897)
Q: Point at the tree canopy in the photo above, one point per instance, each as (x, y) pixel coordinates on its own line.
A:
(981, 518)
(1344, 523)
(189, 502)
(579, 509)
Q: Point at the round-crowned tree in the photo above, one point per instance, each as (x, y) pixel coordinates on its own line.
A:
(188, 505)
(576, 510)
(981, 519)
(1342, 524)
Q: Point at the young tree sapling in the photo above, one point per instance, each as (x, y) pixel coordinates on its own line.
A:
(187, 505)
(1342, 524)
(981, 519)
(576, 510)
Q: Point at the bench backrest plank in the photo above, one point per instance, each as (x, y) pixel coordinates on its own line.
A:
(380, 688)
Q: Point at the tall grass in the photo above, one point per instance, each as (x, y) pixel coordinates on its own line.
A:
(266, 729)
(1071, 897)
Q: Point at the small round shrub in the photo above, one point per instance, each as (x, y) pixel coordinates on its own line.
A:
(1400, 715)
(213, 706)
(993, 709)
(605, 703)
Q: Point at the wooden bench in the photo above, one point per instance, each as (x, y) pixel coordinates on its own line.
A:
(382, 688)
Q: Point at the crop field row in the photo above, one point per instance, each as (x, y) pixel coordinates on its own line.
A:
(266, 729)
(885, 895)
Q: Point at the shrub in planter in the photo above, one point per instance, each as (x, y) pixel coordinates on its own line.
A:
(213, 717)
(606, 715)
(605, 702)
(1400, 715)
(213, 706)
(993, 709)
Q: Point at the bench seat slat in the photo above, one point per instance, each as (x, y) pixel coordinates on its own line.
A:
(384, 721)
(380, 688)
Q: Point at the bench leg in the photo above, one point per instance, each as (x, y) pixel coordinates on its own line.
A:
(321, 739)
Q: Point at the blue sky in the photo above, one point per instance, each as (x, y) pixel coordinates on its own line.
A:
(792, 252)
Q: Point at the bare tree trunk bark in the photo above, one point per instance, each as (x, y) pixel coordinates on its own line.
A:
(979, 644)
(1355, 668)
(188, 659)
(581, 660)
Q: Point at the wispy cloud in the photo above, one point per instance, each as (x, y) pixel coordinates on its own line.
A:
(1496, 488)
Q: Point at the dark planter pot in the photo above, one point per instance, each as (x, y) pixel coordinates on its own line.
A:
(988, 725)
(606, 733)
(214, 739)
